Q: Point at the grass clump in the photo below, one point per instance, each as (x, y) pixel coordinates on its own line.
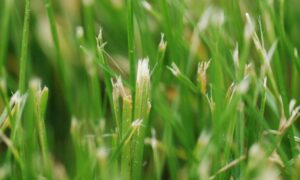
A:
(217, 96)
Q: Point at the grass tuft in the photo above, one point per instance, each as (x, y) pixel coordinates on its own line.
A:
(217, 96)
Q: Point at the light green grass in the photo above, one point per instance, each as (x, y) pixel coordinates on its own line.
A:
(160, 89)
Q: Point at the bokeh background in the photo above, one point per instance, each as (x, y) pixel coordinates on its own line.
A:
(223, 17)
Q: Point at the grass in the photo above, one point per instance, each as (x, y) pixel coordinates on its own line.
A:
(165, 89)
(24, 49)
(131, 47)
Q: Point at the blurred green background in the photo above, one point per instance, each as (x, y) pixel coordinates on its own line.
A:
(111, 15)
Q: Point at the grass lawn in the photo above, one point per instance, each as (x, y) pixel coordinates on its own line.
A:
(149, 89)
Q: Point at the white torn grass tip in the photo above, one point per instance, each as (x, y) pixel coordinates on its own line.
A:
(292, 105)
(163, 44)
(295, 113)
(146, 5)
(265, 82)
(249, 27)
(204, 139)
(202, 77)
(256, 153)
(143, 73)
(235, 55)
(153, 140)
(243, 86)
(17, 98)
(249, 69)
(102, 153)
(202, 67)
(99, 39)
(213, 16)
(75, 126)
(118, 87)
(35, 84)
(89, 63)
(296, 52)
(79, 32)
(174, 69)
(136, 124)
